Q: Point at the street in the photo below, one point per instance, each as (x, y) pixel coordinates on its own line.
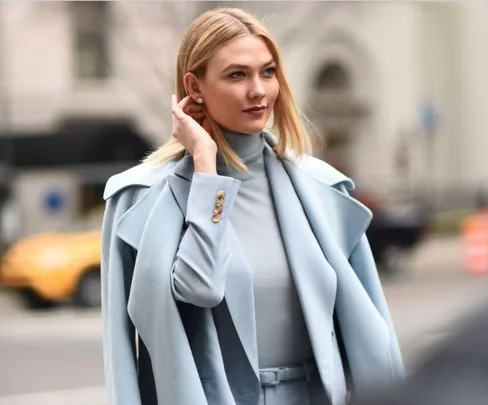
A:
(55, 357)
(56, 354)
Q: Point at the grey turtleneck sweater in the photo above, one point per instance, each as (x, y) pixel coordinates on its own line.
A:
(282, 337)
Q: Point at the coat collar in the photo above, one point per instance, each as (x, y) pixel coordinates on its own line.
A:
(143, 175)
(147, 174)
(316, 168)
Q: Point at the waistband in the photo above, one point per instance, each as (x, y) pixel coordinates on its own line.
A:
(274, 376)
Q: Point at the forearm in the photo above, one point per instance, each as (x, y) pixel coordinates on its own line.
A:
(200, 268)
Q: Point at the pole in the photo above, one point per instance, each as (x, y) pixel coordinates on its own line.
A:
(430, 122)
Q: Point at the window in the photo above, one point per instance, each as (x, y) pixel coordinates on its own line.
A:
(91, 28)
(334, 102)
(333, 77)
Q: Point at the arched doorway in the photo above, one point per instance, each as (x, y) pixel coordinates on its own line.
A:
(338, 113)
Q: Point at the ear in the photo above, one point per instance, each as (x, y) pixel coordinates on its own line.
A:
(192, 85)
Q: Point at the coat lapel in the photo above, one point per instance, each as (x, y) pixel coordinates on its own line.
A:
(332, 213)
(338, 223)
(239, 293)
(320, 227)
(314, 278)
(327, 209)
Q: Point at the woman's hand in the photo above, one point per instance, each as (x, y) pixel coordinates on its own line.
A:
(190, 126)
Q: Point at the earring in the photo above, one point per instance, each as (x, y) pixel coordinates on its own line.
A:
(199, 100)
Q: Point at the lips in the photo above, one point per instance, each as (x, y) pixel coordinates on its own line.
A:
(256, 109)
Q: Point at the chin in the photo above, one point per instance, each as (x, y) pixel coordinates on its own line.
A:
(252, 128)
(245, 126)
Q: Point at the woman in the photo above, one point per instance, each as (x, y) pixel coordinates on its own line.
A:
(235, 267)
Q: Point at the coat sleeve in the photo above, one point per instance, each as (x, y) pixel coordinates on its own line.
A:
(118, 332)
(362, 261)
(202, 260)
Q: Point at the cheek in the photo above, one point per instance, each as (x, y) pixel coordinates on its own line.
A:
(213, 101)
(219, 98)
(272, 91)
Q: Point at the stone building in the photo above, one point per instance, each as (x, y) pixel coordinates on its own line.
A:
(396, 89)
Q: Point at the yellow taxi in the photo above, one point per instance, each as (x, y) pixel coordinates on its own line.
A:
(57, 266)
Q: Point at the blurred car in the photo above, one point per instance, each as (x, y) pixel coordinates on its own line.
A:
(56, 266)
(395, 229)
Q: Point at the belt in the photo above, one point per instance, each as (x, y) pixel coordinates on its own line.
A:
(274, 376)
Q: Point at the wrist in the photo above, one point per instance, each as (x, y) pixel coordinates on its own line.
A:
(204, 147)
(205, 160)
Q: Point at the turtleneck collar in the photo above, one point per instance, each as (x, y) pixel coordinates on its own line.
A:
(249, 147)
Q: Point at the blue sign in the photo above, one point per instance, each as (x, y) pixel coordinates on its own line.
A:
(429, 117)
(54, 201)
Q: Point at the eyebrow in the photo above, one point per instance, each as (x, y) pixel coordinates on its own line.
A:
(245, 67)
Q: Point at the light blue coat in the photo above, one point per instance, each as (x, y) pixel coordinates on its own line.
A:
(196, 340)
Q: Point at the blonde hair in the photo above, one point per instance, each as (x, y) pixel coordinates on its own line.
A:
(202, 39)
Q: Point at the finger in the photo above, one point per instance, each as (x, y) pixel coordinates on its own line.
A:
(178, 114)
(175, 121)
(185, 102)
(197, 116)
(193, 108)
(176, 110)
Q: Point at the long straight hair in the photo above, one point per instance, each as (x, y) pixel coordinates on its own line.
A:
(202, 39)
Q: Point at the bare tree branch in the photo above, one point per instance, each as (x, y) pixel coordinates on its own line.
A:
(146, 37)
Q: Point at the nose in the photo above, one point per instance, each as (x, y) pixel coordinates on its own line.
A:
(256, 89)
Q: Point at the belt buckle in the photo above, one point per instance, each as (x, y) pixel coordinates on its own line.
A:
(277, 380)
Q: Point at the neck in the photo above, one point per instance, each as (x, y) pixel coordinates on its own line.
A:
(249, 147)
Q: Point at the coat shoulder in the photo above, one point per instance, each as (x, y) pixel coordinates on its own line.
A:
(142, 175)
(315, 168)
(323, 172)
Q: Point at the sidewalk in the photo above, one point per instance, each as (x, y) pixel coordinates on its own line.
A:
(431, 298)
(10, 303)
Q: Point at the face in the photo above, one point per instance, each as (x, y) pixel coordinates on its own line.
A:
(240, 86)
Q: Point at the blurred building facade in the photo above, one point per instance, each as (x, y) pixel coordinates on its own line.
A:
(85, 79)
(396, 89)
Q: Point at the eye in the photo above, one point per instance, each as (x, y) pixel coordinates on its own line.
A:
(236, 75)
(269, 72)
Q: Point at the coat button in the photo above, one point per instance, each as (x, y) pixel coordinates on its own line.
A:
(219, 203)
(216, 217)
(218, 210)
(221, 195)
